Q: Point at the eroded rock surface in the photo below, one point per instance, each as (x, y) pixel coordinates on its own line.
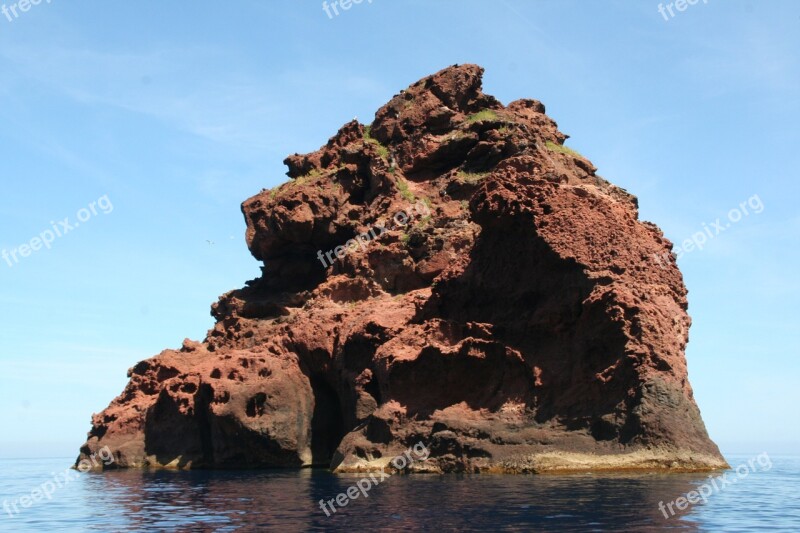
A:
(520, 320)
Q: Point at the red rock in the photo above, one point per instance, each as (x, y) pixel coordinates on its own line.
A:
(524, 325)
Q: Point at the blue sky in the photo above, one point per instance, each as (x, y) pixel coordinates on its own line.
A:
(177, 112)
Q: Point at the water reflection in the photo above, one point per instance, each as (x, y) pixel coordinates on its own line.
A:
(289, 501)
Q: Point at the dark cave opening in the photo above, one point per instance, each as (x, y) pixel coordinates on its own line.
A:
(327, 423)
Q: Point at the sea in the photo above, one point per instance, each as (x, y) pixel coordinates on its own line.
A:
(759, 493)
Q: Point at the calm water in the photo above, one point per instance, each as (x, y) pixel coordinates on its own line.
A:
(288, 501)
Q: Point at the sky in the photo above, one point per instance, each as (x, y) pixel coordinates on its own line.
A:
(148, 123)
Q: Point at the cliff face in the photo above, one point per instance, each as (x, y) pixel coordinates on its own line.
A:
(451, 275)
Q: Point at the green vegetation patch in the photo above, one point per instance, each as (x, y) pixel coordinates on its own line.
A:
(456, 134)
(405, 192)
(471, 177)
(383, 151)
(305, 179)
(560, 148)
(486, 114)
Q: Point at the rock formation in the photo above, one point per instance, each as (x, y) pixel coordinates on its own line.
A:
(451, 274)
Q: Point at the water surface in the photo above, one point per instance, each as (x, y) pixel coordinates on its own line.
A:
(289, 501)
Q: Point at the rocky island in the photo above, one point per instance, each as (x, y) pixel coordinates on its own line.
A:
(450, 274)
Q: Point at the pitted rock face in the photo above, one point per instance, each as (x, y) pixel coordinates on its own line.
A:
(513, 319)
